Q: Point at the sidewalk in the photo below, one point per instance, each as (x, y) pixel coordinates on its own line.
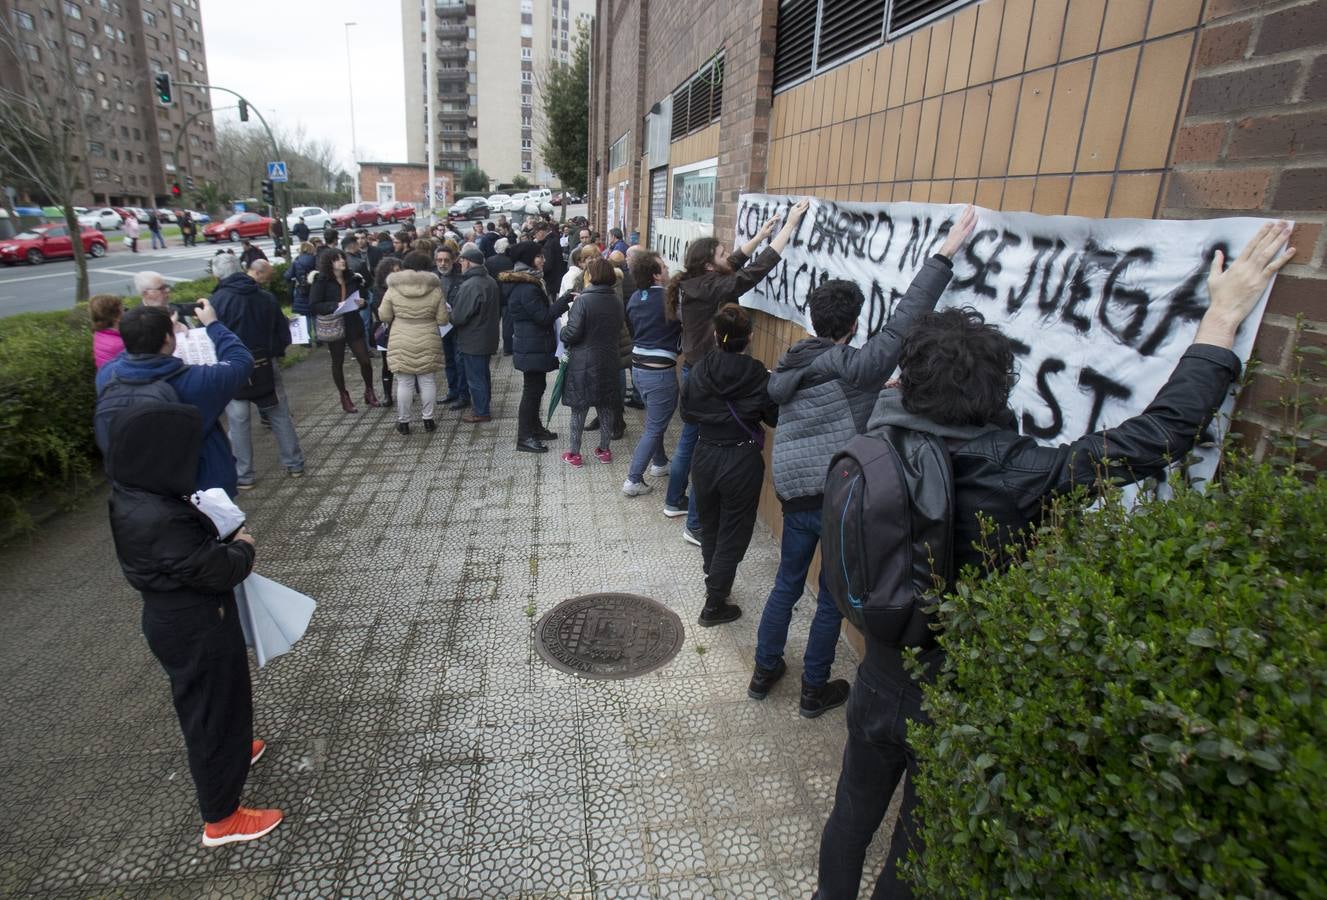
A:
(417, 743)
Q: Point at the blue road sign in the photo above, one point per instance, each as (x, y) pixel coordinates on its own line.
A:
(276, 171)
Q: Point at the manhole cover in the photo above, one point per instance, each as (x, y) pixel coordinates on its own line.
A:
(608, 636)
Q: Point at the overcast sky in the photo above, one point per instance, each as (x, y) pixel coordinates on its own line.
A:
(289, 60)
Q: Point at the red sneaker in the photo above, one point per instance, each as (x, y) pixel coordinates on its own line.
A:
(241, 825)
(604, 456)
(573, 459)
(259, 748)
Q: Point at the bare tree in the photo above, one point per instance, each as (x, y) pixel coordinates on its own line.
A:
(45, 124)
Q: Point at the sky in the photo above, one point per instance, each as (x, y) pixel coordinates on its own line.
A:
(288, 58)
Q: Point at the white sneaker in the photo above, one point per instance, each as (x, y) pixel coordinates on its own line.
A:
(658, 471)
(632, 489)
(689, 537)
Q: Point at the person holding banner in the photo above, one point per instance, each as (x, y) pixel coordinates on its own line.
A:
(333, 285)
(713, 277)
(957, 372)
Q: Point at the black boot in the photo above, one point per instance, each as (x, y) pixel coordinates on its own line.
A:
(403, 427)
(531, 445)
(543, 434)
(717, 611)
(762, 680)
(821, 699)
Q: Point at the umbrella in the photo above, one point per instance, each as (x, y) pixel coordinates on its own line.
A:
(272, 616)
(556, 396)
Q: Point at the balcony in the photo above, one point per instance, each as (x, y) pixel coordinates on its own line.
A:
(453, 52)
(453, 32)
(452, 73)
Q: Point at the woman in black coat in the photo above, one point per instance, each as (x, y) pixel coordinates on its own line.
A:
(534, 342)
(727, 396)
(591, 337)
(332, 285)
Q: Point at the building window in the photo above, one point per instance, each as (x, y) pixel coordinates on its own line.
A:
(527, 53)
(699, 101)
(176, 11)
(96, 52)
(617, 153)
(149, 19)
(25, 21)
(527, 166)
(71, 9)
(164, 135)
(182, 54)
(527, 31)
(527, 144)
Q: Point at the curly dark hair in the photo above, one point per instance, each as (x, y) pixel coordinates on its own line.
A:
(386, 266)
(328, 256)
(835, 307)
(732, 328)
(956, 369)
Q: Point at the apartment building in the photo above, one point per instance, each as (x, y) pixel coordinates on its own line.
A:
(1179, 109)
(489, 57)
(136, 148)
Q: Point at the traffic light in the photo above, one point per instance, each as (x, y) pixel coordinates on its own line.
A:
(269, 192)
(162, 81)
(189, 182)
(244, 111)
(175, 190)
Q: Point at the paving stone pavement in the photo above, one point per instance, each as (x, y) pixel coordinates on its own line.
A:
(417, 743)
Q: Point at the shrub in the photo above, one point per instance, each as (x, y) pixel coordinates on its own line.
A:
(46, 401)
(1138, 706)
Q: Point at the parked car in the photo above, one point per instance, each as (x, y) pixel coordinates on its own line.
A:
(314, 216)
(469, 208)
(103, 219)
(44, 242)
(516, 203)
(199, 217)
(396, 211)
(498, 201)
(164, 216)
(541, 195)
(353, 215)
(240, 225)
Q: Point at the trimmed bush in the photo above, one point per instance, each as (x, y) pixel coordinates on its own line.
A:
(1138, 706)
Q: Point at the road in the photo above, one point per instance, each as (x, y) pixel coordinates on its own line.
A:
(25, 288)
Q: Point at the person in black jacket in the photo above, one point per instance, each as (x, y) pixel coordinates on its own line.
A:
(171, 553)
(534, 342)
(591, 338)
(555, 266)
(1005, 478)
(301, 230)
(332, 285)
(726, 398)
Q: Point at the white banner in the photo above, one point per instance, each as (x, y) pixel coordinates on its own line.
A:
(670, 238)
(1099, 310)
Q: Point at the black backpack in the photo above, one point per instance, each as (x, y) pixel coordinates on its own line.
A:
(887, 532)
(121, 393)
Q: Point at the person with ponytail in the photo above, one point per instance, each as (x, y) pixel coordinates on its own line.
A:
(726, 397)
(711, 278)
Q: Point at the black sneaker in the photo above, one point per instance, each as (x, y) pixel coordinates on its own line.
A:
(718, 611)
(762, 680)
(823, 698)
(429, 425)
(403, 427)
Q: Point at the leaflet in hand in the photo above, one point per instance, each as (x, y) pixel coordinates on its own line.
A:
(351, 305)
(196, 348)
(299, 330)
(444, 329)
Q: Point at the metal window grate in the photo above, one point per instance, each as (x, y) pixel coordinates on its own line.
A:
(905, 15)
(795, 40)
(701, 94)
(716, 104)
(681, 98)
(848, 25)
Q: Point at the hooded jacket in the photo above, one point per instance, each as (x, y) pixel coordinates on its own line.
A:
(253, 315)
(477, 312)
(726, 396)
(208, 388)
(298, 277)
(825, 391)
(534, 341)
(1008, 478)
(591, 338)
(168, 549)
(702, 296)
(414, 309)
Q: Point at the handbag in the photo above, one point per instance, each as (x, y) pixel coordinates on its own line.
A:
(261, 386)
(330, 328)
(380, 335)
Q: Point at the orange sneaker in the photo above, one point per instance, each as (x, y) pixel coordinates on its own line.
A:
(241, 825)
(259, 748)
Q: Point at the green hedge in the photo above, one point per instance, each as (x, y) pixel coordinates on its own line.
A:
(1138, 707)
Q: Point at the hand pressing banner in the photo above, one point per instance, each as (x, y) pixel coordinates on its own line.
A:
(1099, 309)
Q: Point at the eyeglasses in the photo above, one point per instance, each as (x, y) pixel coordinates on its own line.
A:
(160, 287)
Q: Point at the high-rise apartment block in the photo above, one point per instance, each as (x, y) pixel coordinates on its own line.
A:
(490, 56)
(136, 147)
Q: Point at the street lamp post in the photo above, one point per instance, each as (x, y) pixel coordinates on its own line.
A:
(350, 81)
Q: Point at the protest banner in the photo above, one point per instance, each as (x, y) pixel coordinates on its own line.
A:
(1099, 310)
(670, 238)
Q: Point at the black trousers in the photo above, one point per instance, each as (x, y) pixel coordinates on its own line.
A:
(726, 481)
(874, 759)
(528, 420)
(201, 647)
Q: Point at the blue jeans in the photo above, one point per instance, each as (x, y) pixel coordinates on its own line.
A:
(477, 381)
(455, 374)
(681, 471)
(283, 429)
(801, 534)
(658, 388)
(158, 239)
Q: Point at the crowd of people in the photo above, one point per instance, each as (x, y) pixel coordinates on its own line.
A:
(556, 299)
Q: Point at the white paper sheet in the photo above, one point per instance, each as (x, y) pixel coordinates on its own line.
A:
(272, 616)
(350, 305)
(299, 330)
(195, 347)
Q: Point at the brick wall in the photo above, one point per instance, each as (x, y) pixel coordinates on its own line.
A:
(1253, 141)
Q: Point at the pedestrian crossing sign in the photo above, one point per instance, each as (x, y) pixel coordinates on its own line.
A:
(276, 171)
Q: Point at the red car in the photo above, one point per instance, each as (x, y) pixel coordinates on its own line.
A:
(48, 242)
(395, 212)
(355, 215)
(240, 225)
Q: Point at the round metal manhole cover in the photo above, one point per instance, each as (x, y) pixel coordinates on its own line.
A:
(609, 636)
